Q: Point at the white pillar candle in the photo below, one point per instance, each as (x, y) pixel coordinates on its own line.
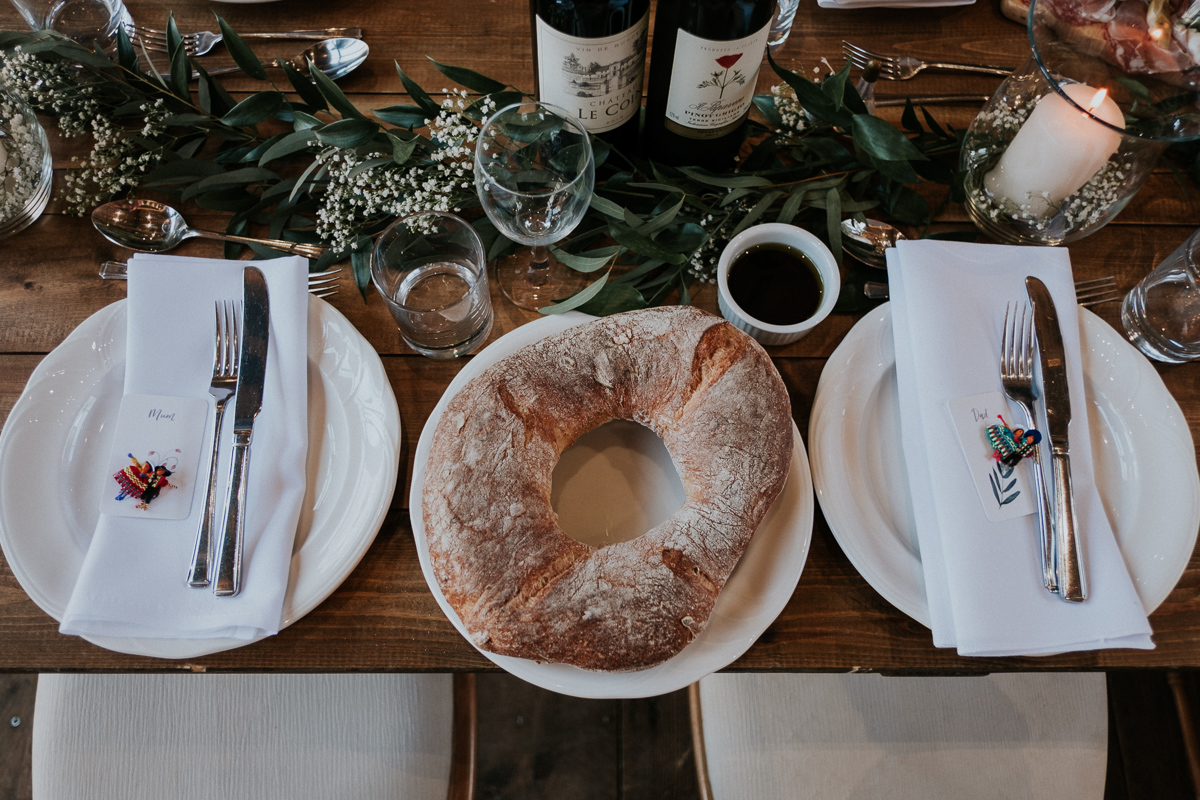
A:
(1057, 150)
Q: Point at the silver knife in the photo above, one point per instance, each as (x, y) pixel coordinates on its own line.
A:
(252, 373)
(1056, 401)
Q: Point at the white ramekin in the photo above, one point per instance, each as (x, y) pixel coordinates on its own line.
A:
(805, 242)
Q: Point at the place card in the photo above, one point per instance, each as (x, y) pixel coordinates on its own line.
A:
(989, 435)
(151, 473)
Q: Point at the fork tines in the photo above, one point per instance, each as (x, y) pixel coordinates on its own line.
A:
(859, 57)
(1096, 291)
(1016, 357)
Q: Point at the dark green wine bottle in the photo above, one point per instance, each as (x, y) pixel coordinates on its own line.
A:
(589, 57)
(703, 67)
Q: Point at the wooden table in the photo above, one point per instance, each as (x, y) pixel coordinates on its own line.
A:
(383, 617)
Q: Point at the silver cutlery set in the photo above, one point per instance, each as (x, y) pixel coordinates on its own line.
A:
(1032, 331)
(239, 372)
(336, 52)
(904, 67)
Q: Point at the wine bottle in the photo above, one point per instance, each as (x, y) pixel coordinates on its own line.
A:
(590, 58)
(703, 69)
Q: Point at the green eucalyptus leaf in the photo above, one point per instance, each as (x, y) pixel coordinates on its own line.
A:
(606, 207)
(331, 92)
(724, 181)
(639, 243)
(586, 262)
(579, 298)
(256, 108)
(214, 99)
(419, 95)
(294, 142)
(908, 118)
(302, 121)
(237, 177)
(756, 212)
(833, 223)
(305, 88)
(834, 87)
(406, 116)
(883, 141)
(791, 207)
(241, 53)
(614, 298)
(347, 132)
(402, 149)
(470, 79)
(126, 55)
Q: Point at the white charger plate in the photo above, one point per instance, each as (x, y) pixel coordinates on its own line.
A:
(759, 588)
(1145, 463)
(59, 434)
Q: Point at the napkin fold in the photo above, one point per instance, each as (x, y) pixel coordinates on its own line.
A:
(134, 577)
(983, 579)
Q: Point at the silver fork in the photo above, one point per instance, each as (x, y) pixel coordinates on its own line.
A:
(222, 387)
(1017, 349)
(320, 284)
(1096, 291)
(201, 42)
(901, 68)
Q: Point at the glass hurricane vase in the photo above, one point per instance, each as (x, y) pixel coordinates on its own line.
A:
(1069, 138)
(25, 166)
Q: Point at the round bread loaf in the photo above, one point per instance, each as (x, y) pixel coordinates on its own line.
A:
(520, 585)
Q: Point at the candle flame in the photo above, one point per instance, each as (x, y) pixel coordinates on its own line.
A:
(1156, 34)
(1097, 99)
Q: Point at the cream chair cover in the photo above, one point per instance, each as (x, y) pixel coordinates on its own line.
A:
(208, 737)
(1020, 737)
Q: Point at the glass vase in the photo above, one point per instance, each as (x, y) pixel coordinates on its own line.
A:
(1068, 139)
(25, 166)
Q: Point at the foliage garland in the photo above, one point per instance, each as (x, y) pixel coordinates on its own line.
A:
(312, 167)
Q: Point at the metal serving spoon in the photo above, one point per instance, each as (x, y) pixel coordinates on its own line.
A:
(869, 241)
(335, 57)
(150, 226)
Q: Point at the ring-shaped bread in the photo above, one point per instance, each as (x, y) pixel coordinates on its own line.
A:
(521, 586)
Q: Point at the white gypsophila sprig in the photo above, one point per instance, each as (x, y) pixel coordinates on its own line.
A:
(22, 154)
(116, 161)
(791, 113)
(442, 181)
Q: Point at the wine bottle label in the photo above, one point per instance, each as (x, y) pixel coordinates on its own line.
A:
(600, 80)
(712, 83)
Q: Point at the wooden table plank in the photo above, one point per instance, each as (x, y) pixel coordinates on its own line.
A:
(384, 617)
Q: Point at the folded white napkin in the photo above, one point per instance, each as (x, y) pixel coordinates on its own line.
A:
(983, 579)
(892, 3)
(133, 581)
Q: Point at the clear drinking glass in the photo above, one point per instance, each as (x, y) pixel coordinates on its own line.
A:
(25, 166)
(1161, 315)
(89, 22)
(781, 25)
(431, 270)
(535, 173)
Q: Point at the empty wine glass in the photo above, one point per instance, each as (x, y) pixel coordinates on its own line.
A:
(534, 173)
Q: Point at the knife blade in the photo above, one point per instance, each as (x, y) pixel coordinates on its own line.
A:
(1056, 402)
(252, 374)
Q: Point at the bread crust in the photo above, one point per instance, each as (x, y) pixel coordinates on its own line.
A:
(520, 585)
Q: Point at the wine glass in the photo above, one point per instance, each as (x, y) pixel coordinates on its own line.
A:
(534, 172)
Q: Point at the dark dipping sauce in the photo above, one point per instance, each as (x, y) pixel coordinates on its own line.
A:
(776, 283)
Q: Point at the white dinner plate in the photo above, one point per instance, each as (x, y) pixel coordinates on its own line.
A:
(759, 588)
(1145, 462)
(59, 433)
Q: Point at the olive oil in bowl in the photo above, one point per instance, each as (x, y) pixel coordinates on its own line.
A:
(776, 283)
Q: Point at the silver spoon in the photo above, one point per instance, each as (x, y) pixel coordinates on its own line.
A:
(334, 57)
(868, 241)
(150, 226)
